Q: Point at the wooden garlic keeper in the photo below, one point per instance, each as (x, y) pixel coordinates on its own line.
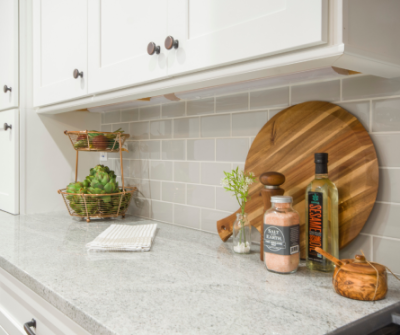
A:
(358, 279)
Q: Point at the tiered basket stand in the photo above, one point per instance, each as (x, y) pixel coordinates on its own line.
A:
(97, 205)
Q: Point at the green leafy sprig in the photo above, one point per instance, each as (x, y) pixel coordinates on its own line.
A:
(238, 183)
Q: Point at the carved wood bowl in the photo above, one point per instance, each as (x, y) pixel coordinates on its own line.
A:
(358, 279)
(360, 285)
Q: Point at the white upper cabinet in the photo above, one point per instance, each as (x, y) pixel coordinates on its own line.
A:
(8, 54)
(59, 48)
(202, 43)
(119, 34)
(214, 33)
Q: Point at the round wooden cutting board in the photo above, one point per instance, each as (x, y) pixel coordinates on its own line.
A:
(287, 144)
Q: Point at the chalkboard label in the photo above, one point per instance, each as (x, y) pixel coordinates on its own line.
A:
(315, 226)
(281, 240)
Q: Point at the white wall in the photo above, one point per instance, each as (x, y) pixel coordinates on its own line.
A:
(50, 158)
(47, 159)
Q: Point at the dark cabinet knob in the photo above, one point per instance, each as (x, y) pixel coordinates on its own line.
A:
(28, 325)
(171, 43)
(77, 74)
(6, 89)
(152, 49)
(7, 126)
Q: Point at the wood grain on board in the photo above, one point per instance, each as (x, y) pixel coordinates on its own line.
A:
(287, 144)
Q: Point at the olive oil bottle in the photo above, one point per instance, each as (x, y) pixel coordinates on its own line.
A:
(322, 224)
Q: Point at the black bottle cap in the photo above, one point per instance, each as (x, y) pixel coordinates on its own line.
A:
(321, 158)
(321, 163)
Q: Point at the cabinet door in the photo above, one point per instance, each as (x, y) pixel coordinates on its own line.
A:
(8, 54)
(119, 32)
(213, 33)
(19, 304)
(59, 47)
(9, 168)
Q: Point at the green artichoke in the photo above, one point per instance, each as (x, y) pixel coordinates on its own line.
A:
(101, 180)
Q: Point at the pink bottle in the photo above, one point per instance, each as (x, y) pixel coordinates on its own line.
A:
(281, 236)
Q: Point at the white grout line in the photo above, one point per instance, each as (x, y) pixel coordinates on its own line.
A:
(381, 236)
(174, 224)
(216, 162)
(201, 219)
(255, 110)
(385, 132)
(387, 203)
(215, 105)
(172, 203)
(370, 117)
(194, 116)
(185, 193)
(200, 166)
(231, 123)
(215, 150)
(297, 84)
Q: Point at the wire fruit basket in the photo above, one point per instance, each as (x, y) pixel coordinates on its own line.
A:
(98, 205)
(96, 141)
(99, 195)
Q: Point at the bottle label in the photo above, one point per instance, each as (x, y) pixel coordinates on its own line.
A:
(315, 227)
(281, 240)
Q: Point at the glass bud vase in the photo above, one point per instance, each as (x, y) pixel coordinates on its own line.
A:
(241, 234)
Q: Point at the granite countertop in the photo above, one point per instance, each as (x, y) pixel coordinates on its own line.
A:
(189, 283)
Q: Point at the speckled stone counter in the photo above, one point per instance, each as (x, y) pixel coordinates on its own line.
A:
(189, 283)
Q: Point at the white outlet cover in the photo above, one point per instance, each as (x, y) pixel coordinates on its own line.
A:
(103, 156)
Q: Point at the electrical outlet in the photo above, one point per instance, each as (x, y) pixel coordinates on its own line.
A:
(103, 156)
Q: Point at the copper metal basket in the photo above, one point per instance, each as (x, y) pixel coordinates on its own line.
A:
(85, 140)
(98, 205)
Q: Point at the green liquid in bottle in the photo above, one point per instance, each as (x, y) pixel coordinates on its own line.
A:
(322, 218)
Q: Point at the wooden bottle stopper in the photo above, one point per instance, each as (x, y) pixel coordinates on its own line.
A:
(271, 181)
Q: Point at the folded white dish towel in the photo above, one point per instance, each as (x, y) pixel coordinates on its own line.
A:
(119, 237)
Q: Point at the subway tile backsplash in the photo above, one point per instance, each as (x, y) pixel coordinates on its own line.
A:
(161, 129)
(366, 87)
(179, 150)
(269, 98)
(232, 103)
(129, 115)
(150, 113)
(201, 150)
(385, 115)
(216, 126)
(324, 91)
(187, 127)
(361, 110)
(174, 109)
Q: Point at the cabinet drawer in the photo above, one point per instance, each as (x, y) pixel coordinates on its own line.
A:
(19, 304)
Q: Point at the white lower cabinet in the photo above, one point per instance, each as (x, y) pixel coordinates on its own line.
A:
(19, 305)
(2, 331)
